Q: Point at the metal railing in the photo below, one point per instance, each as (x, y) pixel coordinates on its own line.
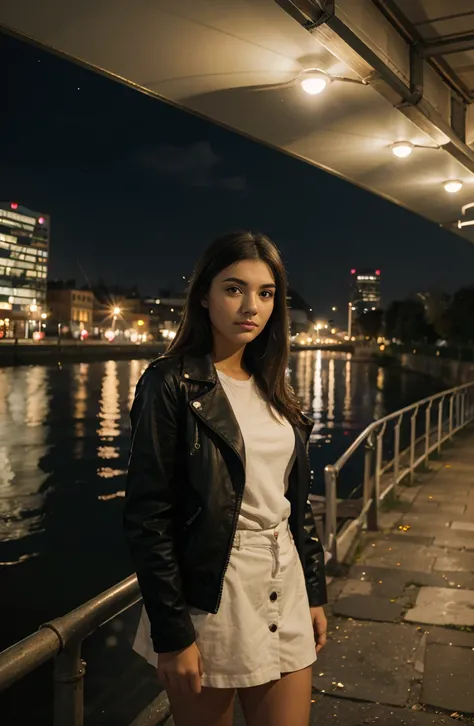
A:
(62, 640)
(425, 426)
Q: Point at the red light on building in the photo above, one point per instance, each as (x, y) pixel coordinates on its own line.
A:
(377, 272)
(14, 205)
(41, 220)
(353, 272)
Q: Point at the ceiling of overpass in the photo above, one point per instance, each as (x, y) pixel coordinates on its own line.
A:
(239, 63)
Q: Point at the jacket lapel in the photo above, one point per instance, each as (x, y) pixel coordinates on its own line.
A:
(212, 406)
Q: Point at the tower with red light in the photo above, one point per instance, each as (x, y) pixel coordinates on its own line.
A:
(365, 290)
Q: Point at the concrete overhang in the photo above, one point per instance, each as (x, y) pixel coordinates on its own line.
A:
(399, 70)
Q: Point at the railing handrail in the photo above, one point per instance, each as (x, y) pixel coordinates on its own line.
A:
(449, 420)
(54, 636)
(343, 459)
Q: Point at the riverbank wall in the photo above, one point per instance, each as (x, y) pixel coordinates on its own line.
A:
(450, 372)
(75, 352)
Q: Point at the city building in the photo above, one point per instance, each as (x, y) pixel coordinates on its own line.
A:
(165, 314)
(24, 247)
(299, 312)
(365, 290)
(69, 306)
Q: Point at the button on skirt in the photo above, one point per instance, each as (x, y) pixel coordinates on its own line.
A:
(263, 627)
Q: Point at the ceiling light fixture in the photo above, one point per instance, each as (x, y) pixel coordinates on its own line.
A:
(402, 149)
(453, 186)
(314, 81)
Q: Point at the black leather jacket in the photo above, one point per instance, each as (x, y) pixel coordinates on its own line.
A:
(185, 485)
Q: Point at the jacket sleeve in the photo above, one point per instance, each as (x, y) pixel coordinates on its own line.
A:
(150, 502)
(314, 567)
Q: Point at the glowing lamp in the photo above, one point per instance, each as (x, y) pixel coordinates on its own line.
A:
(353, 272)
(314, 82)
(377, 272)
(41, 220)
(14, 205)
(453, 186)
(402, 149)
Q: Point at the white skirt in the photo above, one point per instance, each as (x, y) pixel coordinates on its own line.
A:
(263, 627)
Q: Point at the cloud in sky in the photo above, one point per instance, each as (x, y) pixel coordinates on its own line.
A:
(196, 165)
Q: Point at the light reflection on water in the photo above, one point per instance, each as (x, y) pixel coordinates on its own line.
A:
(64, 440)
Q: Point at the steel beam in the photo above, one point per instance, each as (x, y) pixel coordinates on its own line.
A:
(448, 46)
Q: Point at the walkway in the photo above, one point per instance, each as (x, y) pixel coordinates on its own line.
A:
(401, 646)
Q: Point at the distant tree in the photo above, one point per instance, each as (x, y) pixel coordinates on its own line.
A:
(461, 313)
(406, 321)
(371, 323)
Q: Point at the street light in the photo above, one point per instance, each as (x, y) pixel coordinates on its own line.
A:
(116, 312)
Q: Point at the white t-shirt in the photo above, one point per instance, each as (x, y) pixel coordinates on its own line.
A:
(269, 452)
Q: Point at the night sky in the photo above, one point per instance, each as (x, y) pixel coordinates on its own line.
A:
(136, 188)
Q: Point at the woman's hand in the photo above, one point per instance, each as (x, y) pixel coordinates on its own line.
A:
(181, 671)
(320, 626)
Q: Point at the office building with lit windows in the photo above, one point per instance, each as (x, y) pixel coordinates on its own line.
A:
(365, 292)
(24, 247)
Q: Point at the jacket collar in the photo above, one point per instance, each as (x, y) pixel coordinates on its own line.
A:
(199, 368)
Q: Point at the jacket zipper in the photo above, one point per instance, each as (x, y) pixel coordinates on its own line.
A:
(196, 445)
(191, 520)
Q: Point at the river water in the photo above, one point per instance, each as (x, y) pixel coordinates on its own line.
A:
(64, 439)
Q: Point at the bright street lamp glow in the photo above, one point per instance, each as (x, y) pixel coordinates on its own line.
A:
(402, 149)
(314, 82)
(117, 311)
(453, 186)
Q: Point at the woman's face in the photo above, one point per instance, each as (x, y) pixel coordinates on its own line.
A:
(240, 301)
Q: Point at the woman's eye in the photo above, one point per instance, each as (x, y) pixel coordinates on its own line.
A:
(267, 292)
(233, 289)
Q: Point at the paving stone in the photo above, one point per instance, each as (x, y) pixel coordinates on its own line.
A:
(452, 508)
(413, 536)
(391, 583)
(430, 518)
(398, 554)
(344, 712)
(425, 507)
(463, 526)
(447, 681)
(369, 660)
(455, 541)
(449, 636)
(357, 587)
(444, 497)
(455, 561)
(443, 606)
(368, 607)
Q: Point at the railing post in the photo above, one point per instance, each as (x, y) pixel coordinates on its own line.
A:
(428, 429)
(369, 487)
(69, 670)
(396, 456)
(413, 445)
(463, 407)
(451, 407)
(440, 423)
(330, 483)
(458, 409)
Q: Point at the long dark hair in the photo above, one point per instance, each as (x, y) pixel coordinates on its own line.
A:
(266, 357)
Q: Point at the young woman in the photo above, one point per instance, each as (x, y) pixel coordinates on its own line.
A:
(216, 511)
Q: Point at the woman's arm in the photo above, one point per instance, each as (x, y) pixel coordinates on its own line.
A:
(149, 514)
